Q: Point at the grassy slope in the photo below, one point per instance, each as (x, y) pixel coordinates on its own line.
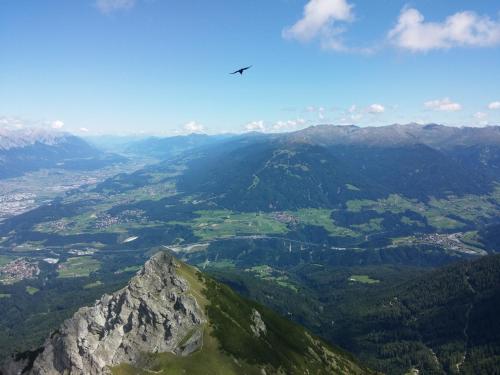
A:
(230, 347)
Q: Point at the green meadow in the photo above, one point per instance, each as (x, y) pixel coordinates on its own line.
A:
(78, 267)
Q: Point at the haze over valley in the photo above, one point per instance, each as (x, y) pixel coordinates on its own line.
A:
(267, 188)
(322, 215)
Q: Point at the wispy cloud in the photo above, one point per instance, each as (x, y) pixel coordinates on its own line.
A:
(319, 111)
(193, 127)
(9, 122)
(494, 105)
(358, 114)
(277, 126)
(481, 118)
(289, 124)
(13, 122)
(462, 29)
(376, 108)
(109, 6)
(445, 105)
(258, 126)
(57, 124)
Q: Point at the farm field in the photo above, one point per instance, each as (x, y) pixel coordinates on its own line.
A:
(78, 267)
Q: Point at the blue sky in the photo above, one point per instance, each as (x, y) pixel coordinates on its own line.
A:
(161, 66)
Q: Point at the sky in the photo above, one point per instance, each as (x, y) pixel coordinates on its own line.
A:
(162, 66)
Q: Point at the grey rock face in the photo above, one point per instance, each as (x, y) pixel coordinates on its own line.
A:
(258, 326)
(154, 313)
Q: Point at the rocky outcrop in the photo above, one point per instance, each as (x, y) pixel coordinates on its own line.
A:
(154, 313)
(258, 326)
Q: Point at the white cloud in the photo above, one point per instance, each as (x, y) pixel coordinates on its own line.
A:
(84, 130)
(57, 124)
(460, 29)
(278, 126)
(193, 127)
(319, 15)
(282, 125)
(494, 105)
(255, 126)
(481, 118)
(320, 18)
(376, 108)
(108, 6)
(348, 120)
(445, 105)
(352, 115)
(8, 122)
(321, 113)
(289, 124)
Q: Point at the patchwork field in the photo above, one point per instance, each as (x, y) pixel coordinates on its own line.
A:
(322, 218)
(78, 267)
(225, 223)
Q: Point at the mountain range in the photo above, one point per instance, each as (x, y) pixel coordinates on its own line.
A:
(328, 165)
(432, 135)
(381, 240)
(30, 149)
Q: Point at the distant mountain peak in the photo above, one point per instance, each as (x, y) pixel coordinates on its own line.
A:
(31, 149)
(19, 138)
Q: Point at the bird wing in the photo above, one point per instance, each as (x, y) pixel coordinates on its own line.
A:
(241, 70)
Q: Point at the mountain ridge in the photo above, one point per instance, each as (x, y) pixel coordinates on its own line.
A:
(319, 164)
(168, 312)
(434, 135)
(18, 138)
(25, 150)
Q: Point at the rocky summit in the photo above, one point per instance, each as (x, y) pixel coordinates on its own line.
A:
(173, 319)
(152, 314)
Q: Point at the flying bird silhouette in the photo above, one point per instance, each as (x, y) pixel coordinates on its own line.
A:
(241, 70)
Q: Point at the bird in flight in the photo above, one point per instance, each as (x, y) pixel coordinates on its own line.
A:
(241, 70)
